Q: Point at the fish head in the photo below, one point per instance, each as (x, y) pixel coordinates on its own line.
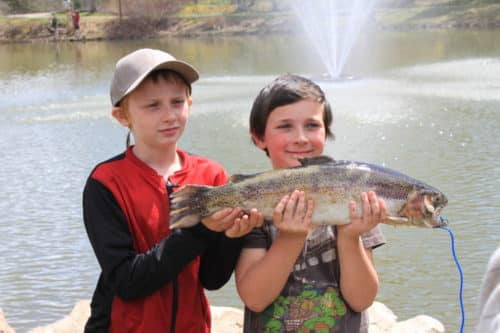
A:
(434, 203)
(423, 208)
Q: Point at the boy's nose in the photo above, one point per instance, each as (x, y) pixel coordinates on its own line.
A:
(300, 136)
(168, 114)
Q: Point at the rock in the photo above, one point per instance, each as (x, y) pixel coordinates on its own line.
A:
(226, 319)
(4, 327)
(72, 323)
(418, 324)
(381, 318)
(230, 320)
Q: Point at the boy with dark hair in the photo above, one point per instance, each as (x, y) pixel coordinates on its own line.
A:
(293, 277)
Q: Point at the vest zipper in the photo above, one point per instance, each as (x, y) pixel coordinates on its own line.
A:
(175, 286)
(175, 301)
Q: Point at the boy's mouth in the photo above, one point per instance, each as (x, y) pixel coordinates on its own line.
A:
(169, 130)
(301, 154)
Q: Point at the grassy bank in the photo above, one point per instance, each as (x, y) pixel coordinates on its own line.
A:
(197, 20)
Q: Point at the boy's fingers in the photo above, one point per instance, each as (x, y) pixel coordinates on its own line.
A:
(353, 212)
(300, 207)
(366, 205)
(278, 210)
(309, 212)
(374, 204)
(229, 217)
(243, 225)
(234, 230)
(383, 210)
(290, 206)
(256, 218)
(218, 215)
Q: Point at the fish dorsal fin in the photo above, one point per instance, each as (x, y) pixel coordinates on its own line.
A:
(239, 177)
(316, 160)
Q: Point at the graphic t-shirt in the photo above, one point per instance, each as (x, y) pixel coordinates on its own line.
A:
(311, 300)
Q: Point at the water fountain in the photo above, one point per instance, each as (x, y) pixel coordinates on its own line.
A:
(333, 26)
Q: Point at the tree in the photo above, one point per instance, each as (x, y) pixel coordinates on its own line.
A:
(18, 6)
(120, 9)
(93, 6)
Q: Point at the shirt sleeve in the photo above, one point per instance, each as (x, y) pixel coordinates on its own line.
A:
(219, 260)
(135, 275)
(257, 239)
(373, 238)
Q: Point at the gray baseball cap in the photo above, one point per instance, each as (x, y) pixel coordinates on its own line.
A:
(133, 68)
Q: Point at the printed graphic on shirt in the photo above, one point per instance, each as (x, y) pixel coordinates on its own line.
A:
(310, 301)
(313, 310)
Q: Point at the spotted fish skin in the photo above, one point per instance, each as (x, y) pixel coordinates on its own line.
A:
(330, 184)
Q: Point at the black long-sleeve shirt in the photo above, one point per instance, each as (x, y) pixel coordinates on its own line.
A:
(129, 274)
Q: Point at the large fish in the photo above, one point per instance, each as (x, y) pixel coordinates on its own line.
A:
(331, 184)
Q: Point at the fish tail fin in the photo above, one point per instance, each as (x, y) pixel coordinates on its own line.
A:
(187, 206)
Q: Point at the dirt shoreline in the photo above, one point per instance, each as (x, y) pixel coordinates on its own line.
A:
(29, 28)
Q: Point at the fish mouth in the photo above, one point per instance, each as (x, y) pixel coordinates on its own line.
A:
(440, 221)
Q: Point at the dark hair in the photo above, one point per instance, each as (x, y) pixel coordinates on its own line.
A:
(287, 89)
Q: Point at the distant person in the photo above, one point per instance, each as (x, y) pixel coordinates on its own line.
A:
(292, 276)
(76, 22)
(152, 278)
(489, 297)
(53, 24)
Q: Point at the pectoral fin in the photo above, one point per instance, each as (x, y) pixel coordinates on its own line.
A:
(396, 220)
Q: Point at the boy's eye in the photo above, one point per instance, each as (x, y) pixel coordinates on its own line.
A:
(178, 101)
(283, 126)
(153, 105)
(313, 125)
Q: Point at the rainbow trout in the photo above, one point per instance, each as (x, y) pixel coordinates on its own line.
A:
(330, 184)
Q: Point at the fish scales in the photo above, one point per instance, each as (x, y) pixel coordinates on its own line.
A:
(330, 184)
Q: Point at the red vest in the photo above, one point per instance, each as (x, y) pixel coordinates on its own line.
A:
(142, 196)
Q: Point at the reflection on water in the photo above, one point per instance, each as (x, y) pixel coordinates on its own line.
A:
(424, 103)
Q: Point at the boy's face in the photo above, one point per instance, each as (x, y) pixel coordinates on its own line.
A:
(293, 131)
(157, 114)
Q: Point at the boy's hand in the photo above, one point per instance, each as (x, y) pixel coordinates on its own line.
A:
(222, 219)
(233, 221)
(244, 224)
(374, 212)
(293, 214)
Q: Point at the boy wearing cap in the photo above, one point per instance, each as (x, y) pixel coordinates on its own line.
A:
(152, 279)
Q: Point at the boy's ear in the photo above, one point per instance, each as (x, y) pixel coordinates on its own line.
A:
(259, 142)
(119, 114)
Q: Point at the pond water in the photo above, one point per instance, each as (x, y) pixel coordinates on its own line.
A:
(424, 103)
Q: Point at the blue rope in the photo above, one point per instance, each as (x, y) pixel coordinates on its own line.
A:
(452, 239)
